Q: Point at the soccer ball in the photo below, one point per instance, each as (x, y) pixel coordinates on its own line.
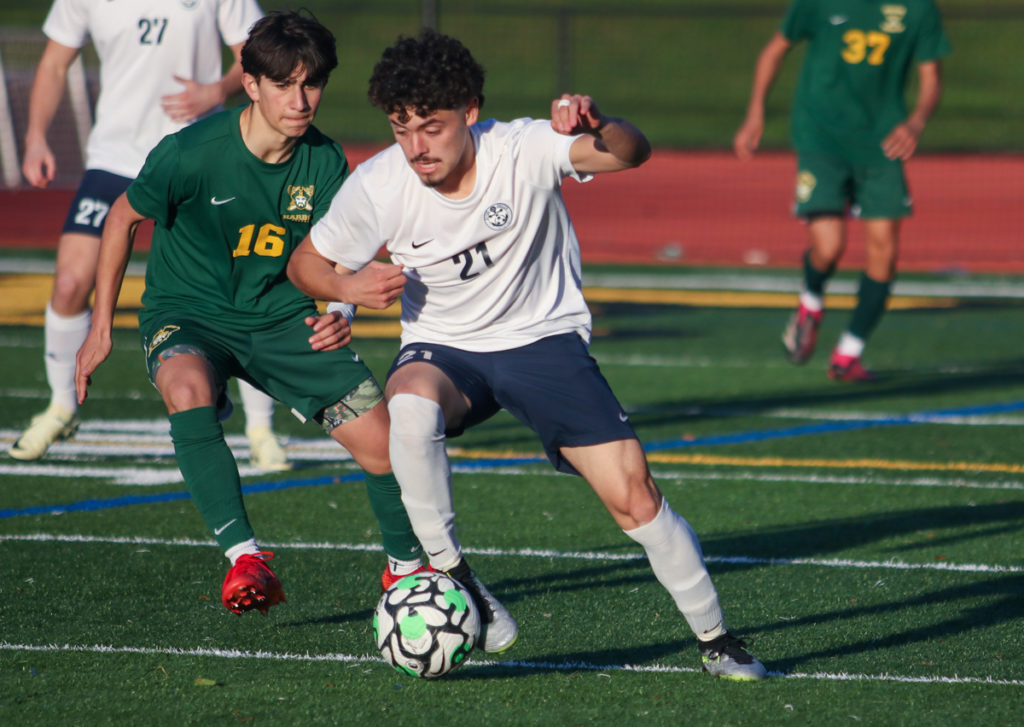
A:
(426, 624)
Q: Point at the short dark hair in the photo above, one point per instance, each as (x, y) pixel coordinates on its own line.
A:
(428, 73)
(281, 41)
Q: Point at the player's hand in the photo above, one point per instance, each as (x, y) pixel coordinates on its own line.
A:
(191, 103)
(748, 138)
(575, 114)
(93, 352)
(330, 331)
(901, 143)
(377, 286)
(39, 165)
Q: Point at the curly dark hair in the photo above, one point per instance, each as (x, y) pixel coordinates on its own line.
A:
(428, 73)
(281, 41)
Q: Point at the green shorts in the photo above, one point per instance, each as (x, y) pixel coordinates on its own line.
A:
(279, 361)
(828, 183)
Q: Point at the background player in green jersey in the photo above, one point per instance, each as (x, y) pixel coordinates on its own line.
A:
(231, 196)
(852, 133)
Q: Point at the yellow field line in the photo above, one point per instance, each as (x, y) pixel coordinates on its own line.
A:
(731, 461)
(745, 299)
(884, 464)
(25, 295)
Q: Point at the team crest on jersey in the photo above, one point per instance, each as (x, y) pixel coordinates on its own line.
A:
(498, 216)
(805, 183)
(300, 198)
(894, 15)
(160, 336)
(189, 4)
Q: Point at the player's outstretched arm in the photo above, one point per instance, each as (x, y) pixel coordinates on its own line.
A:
(38, 163)
(115, 251)
(748, 137)
(198, 98)
(377, 285)
(901, 142)
(610, 144)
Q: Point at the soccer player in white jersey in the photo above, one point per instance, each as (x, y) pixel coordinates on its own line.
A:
(492, 310)
(160, 68)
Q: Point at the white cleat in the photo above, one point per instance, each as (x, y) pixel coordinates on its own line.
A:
(498, 630)
(53, 425)
(727, 657)
(265, 452)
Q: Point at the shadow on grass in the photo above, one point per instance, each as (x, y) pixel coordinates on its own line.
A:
(1001, 596)
(1003, 603)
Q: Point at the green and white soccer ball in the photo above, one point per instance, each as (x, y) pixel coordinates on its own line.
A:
(426, 624)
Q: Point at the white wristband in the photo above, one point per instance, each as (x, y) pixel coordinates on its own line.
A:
(348, 310)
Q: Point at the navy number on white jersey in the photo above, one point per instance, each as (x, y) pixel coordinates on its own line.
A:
(472, 261)
(151, 30)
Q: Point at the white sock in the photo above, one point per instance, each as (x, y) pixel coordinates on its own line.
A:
(246, 547)
(811, 301)
(420, 463)
(64, 336)
(259, 407)
(403, 567)
(676, 559)
(850, 345)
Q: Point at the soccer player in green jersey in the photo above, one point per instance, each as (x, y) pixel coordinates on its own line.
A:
(231, 196)
(852, 133)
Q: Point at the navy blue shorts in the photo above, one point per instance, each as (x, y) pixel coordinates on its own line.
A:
(553, 386)
(93, 200)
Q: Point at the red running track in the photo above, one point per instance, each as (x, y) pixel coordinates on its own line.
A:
(708, 208)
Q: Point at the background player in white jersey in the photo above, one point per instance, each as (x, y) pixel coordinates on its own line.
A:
(160, 68)
(492, 310)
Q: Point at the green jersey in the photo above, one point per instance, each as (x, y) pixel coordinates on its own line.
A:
(852, 84)
(226, 222)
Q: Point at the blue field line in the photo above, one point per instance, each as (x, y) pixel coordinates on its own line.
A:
(110, 503)
(492, 463)
(838, 426)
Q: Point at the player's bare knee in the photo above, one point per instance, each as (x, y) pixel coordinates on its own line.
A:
(70, 294)
(644, 504)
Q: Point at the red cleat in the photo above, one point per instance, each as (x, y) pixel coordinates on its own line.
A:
(848, 368)
(389, 579)
(801, 334)
(250, 584)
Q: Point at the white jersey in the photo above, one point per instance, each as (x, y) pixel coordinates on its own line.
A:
(142, 45)
(497, 270)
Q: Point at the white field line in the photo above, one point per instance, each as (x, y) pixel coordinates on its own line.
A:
(528, 553)
(601, 669)
(134, 439)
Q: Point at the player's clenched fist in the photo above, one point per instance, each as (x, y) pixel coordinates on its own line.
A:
(378, 285)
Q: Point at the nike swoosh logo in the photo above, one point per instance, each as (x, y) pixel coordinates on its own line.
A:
(217, 202)
(837, 19)
(421, 244)
(623, 417)
(222, 528)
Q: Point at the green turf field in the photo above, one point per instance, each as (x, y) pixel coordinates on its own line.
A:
(865, 539)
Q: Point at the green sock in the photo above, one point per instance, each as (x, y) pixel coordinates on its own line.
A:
(397, 536)
(211, 474)
(871, 299)
(814, 279)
